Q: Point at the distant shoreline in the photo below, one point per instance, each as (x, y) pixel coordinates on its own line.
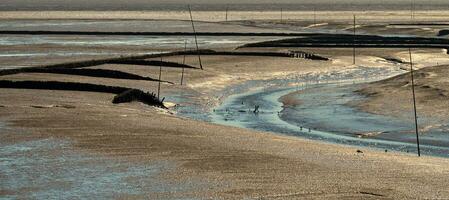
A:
(221, 6)
(392, 16)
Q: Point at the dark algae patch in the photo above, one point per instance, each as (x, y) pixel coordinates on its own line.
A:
(123, 94)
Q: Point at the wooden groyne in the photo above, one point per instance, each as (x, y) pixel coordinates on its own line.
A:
(307, 55)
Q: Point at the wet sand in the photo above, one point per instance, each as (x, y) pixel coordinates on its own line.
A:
(197, 159)
(228, 162)
(394, 96)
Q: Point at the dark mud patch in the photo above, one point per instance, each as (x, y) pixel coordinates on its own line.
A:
(102, 73)
(123, 94)
(360, 41)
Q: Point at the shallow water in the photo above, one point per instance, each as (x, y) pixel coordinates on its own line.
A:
(104, 25)
(28, 50)
(323, 108)
(49, 168)
(324, 125)
(325, 112)
(145, 41)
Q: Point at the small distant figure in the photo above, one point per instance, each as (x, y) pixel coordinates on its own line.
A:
(227, 110)
(256, 109)
(242, 102)
(310, 130)
(300, 128)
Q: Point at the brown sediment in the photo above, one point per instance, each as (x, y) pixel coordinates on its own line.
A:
(244, 163)
(234, 163)
(393, 96)
(291, 99)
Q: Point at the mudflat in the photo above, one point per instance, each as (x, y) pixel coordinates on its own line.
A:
(209, 160)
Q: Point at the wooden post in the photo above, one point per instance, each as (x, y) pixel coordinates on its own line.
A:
(160, 76)
(196, 39)
(183, 61)
(227, 13)
(414, 102)
(412, 10)
(353, 45)
(282, 13)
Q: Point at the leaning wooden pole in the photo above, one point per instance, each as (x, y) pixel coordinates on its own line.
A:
(353, 44)
(196, 39)
(160, 76)
(414, 102)
(183, 62)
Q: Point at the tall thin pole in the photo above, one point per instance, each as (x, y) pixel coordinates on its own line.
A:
(414, 102)
(196, 39)
(282, 15)
(353, 45)
(414, 9)
(183, 61)
(227, 13)
(160, 76)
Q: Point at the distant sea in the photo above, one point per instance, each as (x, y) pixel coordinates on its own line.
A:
(96, 6)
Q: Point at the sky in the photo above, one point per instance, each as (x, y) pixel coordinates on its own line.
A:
(205, 4)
